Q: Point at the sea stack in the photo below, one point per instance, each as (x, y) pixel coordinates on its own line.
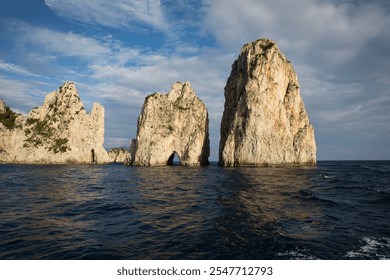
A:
(59, 131)
(264, 120)
(169, 124)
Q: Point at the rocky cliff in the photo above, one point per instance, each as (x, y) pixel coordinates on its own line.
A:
(264, 120)
(59, 131)
(169, 124)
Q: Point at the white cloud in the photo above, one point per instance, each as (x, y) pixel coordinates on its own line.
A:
(18, 95)
(110, 91)
(206, 71)
(50, 51)
(67, 44)
(15, 69)
(332, 31)
(120, 13)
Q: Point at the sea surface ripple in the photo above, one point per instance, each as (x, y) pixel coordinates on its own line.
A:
(335, 210)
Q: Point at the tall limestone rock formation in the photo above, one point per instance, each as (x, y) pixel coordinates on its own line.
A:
(171, 123)
(264, 120)
(59, 131)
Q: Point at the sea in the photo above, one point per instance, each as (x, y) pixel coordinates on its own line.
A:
(335, 210)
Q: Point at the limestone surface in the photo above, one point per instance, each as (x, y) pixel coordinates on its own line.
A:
(169, 124)
(264, 120)
(59, 131)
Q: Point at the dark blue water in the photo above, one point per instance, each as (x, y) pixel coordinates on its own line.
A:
(335, 210)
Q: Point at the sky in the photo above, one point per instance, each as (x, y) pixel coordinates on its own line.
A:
(118, 52)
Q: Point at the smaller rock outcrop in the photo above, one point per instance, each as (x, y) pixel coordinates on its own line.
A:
(119, 155)
(59, 131)
(264, 121)
(169, 124)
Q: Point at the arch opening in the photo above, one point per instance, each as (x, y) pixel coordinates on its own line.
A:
(174, 160)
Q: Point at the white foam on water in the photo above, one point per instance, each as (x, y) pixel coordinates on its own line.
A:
(296, 255)
(371, 248)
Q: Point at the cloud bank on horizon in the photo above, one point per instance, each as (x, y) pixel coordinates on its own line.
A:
(118, 52)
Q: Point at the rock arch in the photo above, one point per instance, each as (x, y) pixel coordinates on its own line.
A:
(172, 157)
(171, 123)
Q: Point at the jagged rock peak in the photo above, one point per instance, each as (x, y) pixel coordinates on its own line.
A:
(68, 91)
(264, 120)
(262, 44)
(169, 124)
(67, 87)
(65, 99)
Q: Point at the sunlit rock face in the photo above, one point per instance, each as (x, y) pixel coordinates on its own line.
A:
(169, 124)
(264, 120)
(59, 131)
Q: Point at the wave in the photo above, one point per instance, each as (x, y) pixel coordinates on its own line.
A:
(316, 197)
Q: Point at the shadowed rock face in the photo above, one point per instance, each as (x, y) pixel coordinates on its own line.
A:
(173, 123)
(264, 120)
(59, 131)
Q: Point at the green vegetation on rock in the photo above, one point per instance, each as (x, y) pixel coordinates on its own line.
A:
(59, 146)
(8, 118)
(40, 133)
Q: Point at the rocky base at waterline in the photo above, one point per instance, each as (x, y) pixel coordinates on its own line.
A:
(169, 124)
(59, 131)
(264, 120)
